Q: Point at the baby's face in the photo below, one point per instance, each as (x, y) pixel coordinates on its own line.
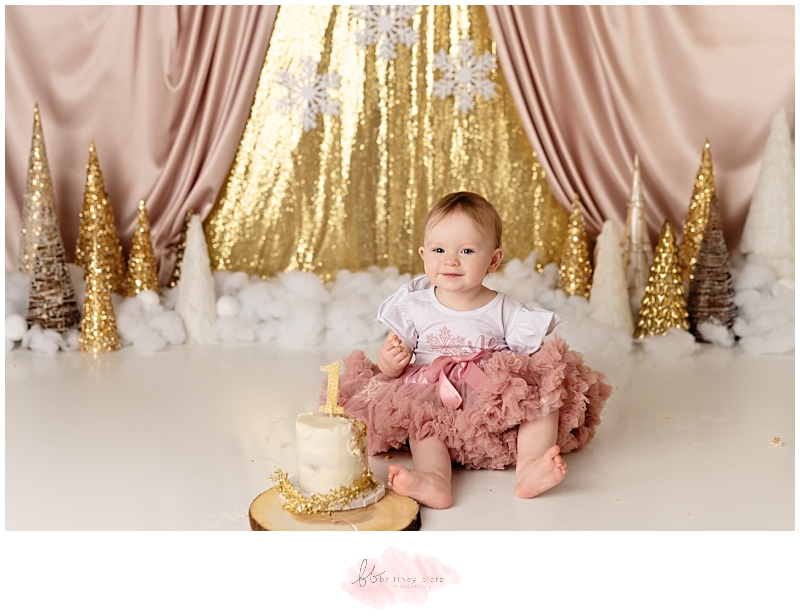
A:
(458, 254)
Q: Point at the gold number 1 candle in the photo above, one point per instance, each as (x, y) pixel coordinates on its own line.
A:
(331, 407)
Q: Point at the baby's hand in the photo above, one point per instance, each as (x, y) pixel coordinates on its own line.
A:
(393, 356)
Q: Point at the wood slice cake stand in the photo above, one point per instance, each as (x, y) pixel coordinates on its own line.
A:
(392, 512)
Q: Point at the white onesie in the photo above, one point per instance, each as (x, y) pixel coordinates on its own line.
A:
(432, 330)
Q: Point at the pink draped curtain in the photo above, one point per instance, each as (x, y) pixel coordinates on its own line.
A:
(595, 85)
(164, 92)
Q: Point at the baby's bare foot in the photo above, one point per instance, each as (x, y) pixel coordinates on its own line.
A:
(537, 476)
(426, 488)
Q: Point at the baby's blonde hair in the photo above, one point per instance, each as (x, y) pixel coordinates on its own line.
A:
(475, 207)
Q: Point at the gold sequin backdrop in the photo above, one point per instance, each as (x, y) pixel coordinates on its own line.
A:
(354, 191)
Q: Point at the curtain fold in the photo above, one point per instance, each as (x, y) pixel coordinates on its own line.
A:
(164, 91)
(595, 85)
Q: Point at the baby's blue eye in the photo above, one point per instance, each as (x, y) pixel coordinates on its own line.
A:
(439, 250)
(468, 251)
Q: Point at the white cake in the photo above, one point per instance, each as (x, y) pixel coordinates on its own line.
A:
(331, 451)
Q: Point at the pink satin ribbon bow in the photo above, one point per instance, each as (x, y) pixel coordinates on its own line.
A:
(461, 368)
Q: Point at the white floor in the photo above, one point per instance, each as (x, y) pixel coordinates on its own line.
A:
(186, 439)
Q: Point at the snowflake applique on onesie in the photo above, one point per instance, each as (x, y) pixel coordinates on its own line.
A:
(432, 330)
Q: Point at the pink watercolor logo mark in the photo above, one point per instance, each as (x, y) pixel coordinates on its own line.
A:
(396, 576)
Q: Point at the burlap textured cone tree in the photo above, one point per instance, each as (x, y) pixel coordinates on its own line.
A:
(637, 251)
(663, 304)
(51, 298)
(142, 267)
(697, 216)
(179, 250)
(99, 326)
(97, 230)
(575, 272)
(711, 289)
(38, 196)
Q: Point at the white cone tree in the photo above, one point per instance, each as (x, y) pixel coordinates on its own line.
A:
(197, 302)
(768, 234)
(609, 300)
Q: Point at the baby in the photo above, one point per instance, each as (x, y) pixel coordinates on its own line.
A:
(485, 389)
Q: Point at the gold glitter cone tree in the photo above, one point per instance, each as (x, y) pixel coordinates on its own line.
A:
(664, 303)
(38, 196)
(347, 184)
(99, 325)
(697, 216)
(711, 289)
(142, 267)
(97, 230)
(179, 250)
(575, 272)
(51, 298)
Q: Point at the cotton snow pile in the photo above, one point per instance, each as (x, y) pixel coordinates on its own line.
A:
(766, 309)
(146, 321)
(296, 310)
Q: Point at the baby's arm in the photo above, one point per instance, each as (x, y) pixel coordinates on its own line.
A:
(393, 356)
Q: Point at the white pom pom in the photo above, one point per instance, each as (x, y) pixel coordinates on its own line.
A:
(42, 340)
(227, 306)
(16, 326)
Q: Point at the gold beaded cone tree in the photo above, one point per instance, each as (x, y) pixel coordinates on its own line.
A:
(179, 250)
(97, 230)
(575, 272)
(697, 216)
(99, 325)
(51, 298)
(347, 184)
(142, 267)
(711, 289)
(663, 304)
(38, 196)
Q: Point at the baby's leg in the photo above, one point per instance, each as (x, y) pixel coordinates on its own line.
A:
(429, 482)
(539, 467)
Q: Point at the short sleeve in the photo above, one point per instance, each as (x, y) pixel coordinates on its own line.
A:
(529, 328)
(395, 314)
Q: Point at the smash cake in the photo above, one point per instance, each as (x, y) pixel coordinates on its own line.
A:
(332, 465)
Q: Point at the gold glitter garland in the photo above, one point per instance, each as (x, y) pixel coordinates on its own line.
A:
(179, 250)
(332, 500)
(354, 191)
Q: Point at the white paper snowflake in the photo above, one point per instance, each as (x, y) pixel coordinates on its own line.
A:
(464, 75)
(386, 25)
(445, 343)
(308, 92)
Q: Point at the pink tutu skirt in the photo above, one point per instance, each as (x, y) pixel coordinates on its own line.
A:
(482, 433)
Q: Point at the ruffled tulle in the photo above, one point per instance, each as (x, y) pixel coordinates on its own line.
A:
(483, 432)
